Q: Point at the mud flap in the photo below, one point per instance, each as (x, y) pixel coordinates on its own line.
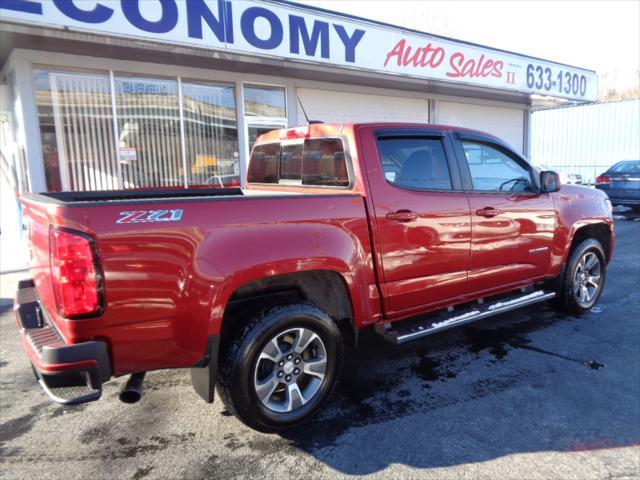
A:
(204, 374)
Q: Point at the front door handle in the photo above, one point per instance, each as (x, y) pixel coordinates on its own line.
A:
(488, 212)
(402, 216)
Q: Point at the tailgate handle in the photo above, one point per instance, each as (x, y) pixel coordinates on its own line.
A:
(488, 212)
(402, 216)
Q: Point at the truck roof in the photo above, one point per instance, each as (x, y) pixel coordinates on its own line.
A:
(329, 129)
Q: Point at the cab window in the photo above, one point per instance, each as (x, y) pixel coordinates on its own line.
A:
(493, 170)
(417, 163)
(312, 162)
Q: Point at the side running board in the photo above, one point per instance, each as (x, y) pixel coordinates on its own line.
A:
(405, 331)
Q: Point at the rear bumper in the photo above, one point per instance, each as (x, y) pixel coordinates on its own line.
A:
(69, 373)
(620, 196)
(624, 201)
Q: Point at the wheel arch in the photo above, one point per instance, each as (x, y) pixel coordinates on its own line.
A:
(600, 231)
(325, 288)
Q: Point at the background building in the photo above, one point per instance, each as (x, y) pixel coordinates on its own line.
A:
(586, 139)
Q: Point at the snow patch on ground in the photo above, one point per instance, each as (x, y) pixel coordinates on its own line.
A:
(464, 316)
(621, 208)
(537, 294)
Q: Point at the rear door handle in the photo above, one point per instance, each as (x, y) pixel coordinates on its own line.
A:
(402, 216)
(488, 212)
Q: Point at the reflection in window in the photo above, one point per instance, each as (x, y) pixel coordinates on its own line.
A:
(291, 162)
(264, 101)
(211, 135)
(149, 127)
(75, 111)
(319, 161)
(493, 170)
(415, 163)
(324, 163)
(254, 131)
(76, 130)
(264, 164)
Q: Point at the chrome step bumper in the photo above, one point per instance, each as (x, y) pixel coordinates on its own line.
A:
(405, 331)
(68, 373)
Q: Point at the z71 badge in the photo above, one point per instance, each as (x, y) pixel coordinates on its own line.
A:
(148, 216)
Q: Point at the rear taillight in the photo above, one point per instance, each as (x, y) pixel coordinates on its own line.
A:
(74, 272)
(602, 180)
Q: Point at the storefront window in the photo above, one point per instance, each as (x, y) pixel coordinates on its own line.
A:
(80, 151)
(255, 130)
(149, 132)
(264, 101)
(76, 127)
(14, 165)
(211, 134)
(264, 110)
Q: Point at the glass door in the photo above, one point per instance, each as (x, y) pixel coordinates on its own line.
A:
(265, 109)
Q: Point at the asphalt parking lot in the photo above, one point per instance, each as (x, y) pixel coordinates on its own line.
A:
(532, 394)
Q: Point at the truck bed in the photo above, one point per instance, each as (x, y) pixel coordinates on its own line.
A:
(162, 273)
(137, 195)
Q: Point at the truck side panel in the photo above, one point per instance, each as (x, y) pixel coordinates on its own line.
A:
(167, 283)
(576, 207)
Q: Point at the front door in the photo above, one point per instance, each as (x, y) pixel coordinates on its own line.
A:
(421, 217)
(512, 224)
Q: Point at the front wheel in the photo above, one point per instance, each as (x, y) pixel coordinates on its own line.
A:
(583, 277)
(278, 371)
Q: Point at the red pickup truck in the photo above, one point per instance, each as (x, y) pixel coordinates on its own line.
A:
(410, 229)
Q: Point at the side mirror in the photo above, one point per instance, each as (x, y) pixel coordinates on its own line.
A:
(549, 182)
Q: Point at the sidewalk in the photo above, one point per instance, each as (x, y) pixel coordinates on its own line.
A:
(8, 284)
(13, 254)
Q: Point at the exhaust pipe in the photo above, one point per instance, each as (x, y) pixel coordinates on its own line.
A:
(132, 390)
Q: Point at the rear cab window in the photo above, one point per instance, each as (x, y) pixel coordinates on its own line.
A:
(307, 162)
(627, 166)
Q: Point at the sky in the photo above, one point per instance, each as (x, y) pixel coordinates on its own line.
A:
(598, 35)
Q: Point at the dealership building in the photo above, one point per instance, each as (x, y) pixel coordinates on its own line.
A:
(109, 94)
(103, 94)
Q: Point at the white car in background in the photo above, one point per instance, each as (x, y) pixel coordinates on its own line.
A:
(565, 177)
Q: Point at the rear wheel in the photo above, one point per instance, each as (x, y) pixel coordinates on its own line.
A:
(278, 371)
(583, 277)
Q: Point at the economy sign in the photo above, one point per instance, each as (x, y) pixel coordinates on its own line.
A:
(283, 30)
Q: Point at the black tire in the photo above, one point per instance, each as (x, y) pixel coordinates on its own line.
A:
(239, 362)
(568, 297)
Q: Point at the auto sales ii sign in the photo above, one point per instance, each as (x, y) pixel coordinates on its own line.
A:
(292, 32)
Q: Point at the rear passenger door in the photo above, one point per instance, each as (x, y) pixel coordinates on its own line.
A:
(512, 224)
(420, 219)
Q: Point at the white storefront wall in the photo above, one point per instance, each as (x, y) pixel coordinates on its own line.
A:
(345, 107)
(505, 123)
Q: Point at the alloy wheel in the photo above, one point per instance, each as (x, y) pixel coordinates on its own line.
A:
(290, 370)
(587, 279)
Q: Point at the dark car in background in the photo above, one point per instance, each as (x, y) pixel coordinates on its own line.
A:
(622, 183)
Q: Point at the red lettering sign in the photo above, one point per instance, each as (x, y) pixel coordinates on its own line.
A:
(428, 56)
(472, 67)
